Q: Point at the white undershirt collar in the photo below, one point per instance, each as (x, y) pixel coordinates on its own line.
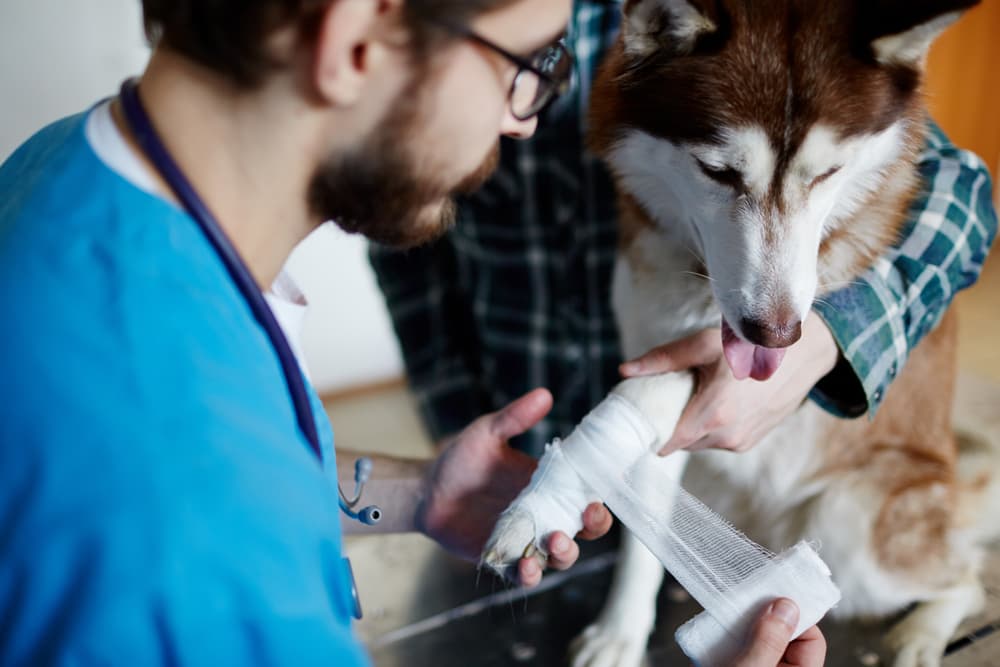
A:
(287, 301)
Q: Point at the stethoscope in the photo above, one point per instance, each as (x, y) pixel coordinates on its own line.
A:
(152, 146)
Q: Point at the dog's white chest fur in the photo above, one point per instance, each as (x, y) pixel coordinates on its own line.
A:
(656, 297)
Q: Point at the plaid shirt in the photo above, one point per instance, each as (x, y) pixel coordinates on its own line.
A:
(517, 295)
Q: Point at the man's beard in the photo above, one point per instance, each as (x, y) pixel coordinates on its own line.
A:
(381, 191)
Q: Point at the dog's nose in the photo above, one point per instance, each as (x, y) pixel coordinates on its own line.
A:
(771, 334)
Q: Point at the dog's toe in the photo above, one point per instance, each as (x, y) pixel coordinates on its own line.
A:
(919, 656)
(916, 647)
(513, 538)
(603, 646)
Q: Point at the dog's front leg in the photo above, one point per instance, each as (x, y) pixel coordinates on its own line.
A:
(920, 639)
(619, 636)
(638, 416)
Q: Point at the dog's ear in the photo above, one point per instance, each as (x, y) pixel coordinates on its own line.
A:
(900, 32)
(656, 25)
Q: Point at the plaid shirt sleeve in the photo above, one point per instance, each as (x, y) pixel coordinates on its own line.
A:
(880, 318)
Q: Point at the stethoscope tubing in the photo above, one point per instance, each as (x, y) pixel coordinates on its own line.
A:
(148, 139)
(151, 144)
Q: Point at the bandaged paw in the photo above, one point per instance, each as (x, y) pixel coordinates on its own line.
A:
(553, 501)
(616, 431)
(611, 456)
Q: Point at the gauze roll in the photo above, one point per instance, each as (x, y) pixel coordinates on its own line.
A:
(612, 455)
(797, 574)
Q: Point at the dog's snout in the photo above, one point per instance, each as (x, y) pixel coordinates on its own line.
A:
(771, 334)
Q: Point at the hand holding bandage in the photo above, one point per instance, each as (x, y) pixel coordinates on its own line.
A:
(611, 455)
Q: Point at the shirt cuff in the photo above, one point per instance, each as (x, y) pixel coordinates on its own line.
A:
(871, 352)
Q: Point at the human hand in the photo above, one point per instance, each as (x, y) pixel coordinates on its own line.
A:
(770, 643)
(726, 413)
(476, 478)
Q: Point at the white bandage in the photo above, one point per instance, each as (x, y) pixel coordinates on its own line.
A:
(613, 453)
(559, 511)
(798, 574)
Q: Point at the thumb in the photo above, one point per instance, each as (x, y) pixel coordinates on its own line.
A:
(770, 636)
(521, 414)
(696, 350)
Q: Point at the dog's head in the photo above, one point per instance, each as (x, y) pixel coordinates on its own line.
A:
(756, 130)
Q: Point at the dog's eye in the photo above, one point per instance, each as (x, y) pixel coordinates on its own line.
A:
(725, 175)
(825, 175)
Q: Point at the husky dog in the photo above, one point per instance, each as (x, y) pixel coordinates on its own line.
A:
(771, 144)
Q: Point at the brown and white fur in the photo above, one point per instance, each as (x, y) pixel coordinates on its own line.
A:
(771, 145)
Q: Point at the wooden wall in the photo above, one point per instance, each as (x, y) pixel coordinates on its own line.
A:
(963, 82)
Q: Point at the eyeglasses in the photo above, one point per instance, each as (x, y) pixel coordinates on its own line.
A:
(540, 79)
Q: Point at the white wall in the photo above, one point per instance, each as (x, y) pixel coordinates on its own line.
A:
(348, 337)
(57, 57)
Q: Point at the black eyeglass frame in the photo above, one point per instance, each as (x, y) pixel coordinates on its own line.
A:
(559, 87)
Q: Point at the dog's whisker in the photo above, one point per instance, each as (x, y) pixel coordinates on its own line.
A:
(698, 275)
(829, 304)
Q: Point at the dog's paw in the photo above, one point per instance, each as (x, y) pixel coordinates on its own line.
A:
(920, 655)
(553, 501)
(514, 537)
(915, 645)
(610, 645)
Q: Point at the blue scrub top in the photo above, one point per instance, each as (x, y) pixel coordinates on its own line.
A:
(158, 503)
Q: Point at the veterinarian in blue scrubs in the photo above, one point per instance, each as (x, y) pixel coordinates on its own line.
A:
(161, 499)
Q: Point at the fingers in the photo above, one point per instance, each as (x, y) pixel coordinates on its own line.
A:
(597, 522)
(520, 415)
(695, 426)
(728, 439)
(809, 650)
(770, 636)
(715, 416)
(563, 551)
(695, 350)
(688, 431)
(529, 572)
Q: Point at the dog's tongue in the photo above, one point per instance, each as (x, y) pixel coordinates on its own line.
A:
(749, 360)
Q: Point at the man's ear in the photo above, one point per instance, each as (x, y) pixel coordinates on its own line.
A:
(344, 50)
(671, 25)
(903, 31)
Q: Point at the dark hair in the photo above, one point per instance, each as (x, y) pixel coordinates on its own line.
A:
(230, 36)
